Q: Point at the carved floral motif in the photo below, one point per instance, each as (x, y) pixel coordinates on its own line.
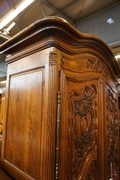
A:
(82, 126)
(112, 134)
(96, 65)
(92, 175)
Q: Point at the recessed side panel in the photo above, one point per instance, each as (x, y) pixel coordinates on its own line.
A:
(23, 122)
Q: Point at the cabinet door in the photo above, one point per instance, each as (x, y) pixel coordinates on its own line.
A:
(111, 134)
(79, 128)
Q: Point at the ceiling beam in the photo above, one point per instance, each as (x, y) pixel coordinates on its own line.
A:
(80, 12)
(70, 4)
(43, 10)
(22, 14)
(46, 2)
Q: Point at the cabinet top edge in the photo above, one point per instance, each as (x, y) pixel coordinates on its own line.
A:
(54, 23)
(53, 28)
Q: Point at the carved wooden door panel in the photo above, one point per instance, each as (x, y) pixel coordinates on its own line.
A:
(112, 134)
(79, 129)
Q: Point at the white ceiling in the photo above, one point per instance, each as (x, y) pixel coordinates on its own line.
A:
(72, 10)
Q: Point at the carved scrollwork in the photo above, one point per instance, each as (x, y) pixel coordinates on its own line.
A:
(112, 134)
(82, 126)
(93, 174)
(97, 66)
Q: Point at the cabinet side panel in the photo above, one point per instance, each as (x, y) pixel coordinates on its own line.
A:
(23, 122)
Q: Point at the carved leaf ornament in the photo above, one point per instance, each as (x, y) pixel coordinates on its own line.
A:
(96, 65)
(82, 120)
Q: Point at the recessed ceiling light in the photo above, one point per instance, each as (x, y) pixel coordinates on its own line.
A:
(110, 21)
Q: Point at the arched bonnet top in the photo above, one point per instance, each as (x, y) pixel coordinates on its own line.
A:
(51, 31)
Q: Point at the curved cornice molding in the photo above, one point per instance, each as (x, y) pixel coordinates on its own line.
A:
(57, 32)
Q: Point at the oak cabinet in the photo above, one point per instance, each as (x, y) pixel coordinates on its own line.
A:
(61, 111)
(2, 113)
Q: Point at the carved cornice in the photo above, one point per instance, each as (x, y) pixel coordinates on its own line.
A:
(56, 32)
